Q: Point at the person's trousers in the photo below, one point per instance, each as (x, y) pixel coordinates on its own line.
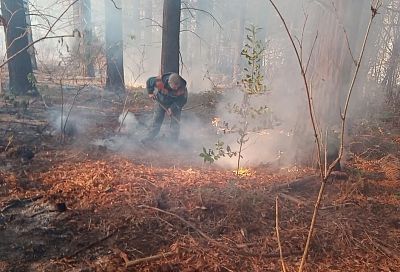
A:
(158, 118)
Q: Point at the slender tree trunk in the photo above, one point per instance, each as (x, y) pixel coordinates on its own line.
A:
(83, 43)
(170, 36)
(20, 68)
(87, 38)
(114, 46)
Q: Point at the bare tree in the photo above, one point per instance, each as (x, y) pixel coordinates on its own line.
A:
(114, 46)
(16, 30)
(170, 36)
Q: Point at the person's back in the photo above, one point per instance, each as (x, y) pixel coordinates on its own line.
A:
(170, 93)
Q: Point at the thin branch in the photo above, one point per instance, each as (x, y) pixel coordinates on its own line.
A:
(72, 105)
(188, 9)
(277, 234)
(115, 5)
(194, 33)
(312, 50)
(151, 20)
(209, 13)
(345, 33)
(302, 35)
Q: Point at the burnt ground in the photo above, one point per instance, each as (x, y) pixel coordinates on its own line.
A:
(81, 206)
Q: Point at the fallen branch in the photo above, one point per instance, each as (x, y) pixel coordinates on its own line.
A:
(20, 202)
(335, 207)
(270, 255)
(293, 183)
(202, 234)
(169, 254)
(293, 199)
(148, 259)
(35, 123)
(91, 244)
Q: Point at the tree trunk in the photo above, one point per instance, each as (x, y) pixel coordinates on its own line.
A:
(114, 46)
(20, 68)
(83, 43)
(87, 38)
(31, 50)
(170, 36)
(333, 66)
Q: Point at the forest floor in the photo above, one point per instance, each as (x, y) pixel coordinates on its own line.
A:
(81, 206)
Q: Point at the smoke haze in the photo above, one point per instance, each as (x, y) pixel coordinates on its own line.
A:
(210, 49)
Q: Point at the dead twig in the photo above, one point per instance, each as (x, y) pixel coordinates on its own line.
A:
(148, 259)
(278, 237)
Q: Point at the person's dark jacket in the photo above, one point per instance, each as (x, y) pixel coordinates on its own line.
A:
(175, 100)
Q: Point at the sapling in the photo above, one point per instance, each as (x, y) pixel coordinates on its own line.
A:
(251, 84)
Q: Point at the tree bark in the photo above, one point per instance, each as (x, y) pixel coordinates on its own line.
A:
(83, 43)
(114, 46)
(332, 64)
(31, 50)
(170, 36)
(86, 18)
(20, 68)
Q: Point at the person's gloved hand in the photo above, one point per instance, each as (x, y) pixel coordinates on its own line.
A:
(152, 96)
(169, 111)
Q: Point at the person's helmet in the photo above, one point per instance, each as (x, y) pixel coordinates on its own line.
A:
(175, 81)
